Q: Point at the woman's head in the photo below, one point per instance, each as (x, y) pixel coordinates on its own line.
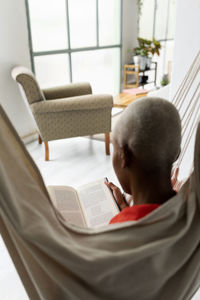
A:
(147, 135)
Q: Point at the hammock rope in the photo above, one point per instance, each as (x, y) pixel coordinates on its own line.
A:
(191, 131)
(177, 96)
(189, 111)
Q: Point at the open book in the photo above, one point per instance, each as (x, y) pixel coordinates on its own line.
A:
(91, 205)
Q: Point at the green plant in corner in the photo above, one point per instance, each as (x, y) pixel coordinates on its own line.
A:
(165, 80)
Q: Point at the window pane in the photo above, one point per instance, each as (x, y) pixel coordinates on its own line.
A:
(169, 56)
(48, 24)
(109, 22)
(82, 16)
(146, 20)
(161, 19)
(160, 63)
(52, 70)
(100, 68)
(172, 19)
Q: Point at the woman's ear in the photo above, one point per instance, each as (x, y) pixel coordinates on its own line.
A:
(126, 156)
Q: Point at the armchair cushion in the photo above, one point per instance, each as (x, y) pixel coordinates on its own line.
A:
(87, 102)
(69, 90)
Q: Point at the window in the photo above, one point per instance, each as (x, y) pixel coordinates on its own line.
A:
(147, 19)
(82, 17)
(98, 66)
(158, 20)
(76, 40)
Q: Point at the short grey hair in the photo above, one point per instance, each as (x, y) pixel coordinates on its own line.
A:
(151, 128)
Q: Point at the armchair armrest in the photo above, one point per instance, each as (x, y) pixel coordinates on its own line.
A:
(69, 90)
(87, 102)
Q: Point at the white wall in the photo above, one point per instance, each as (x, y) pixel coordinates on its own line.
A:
(14, 50)
(187, 39)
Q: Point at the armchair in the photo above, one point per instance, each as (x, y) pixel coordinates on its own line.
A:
(65, 111)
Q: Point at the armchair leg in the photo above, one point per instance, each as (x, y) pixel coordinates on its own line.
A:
(107, 143)
(39, 139)
(46, 146)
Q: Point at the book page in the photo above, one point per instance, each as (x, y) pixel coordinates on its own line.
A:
(65, 199)
(98, 203)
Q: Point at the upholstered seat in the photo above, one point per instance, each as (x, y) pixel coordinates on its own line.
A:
(65, 111)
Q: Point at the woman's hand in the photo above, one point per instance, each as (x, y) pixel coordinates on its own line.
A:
(117, 194)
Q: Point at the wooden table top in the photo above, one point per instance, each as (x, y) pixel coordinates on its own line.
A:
(123, 100)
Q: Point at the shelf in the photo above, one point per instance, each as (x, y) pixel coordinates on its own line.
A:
(131, 72)
(140, 83)
(131, 69)
(131, 84)
(134, 82)
(148, 82)
(146, 70)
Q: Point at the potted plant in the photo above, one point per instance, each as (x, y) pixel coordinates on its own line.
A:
(143, 59)
(145, 51)
(144, 48)
(165, 80)
(136, 55)
(154, 48)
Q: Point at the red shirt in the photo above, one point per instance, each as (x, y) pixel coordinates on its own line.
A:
(133, 213)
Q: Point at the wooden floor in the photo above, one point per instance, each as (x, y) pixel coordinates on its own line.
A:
(73, 162)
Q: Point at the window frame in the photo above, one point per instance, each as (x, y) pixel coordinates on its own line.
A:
(166, 39)
(70, 50)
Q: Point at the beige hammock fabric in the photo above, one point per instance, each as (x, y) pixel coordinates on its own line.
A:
(157, 257)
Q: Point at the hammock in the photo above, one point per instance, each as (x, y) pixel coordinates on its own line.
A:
(188, 105)
(157, 257)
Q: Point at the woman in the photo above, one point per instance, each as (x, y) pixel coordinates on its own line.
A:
(146, 143)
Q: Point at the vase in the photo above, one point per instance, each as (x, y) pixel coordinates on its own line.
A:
(136, 60)
(143, 61)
